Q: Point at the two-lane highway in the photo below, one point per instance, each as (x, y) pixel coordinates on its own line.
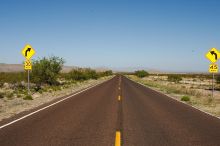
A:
(118, 111)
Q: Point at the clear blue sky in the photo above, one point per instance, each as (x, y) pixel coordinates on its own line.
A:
(168, 35)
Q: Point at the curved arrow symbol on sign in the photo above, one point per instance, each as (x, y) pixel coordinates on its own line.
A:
(213, 53)
(28, 50)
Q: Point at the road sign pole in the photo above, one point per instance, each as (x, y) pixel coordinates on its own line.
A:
(28, 82)
(213, 77)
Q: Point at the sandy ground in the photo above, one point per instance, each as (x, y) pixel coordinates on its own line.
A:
(10, 107)
(199, 91)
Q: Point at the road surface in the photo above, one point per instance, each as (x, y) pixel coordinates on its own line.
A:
(117, 112)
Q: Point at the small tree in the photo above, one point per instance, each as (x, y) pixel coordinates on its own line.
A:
(174, 78)
(46, 70)
(141, 73)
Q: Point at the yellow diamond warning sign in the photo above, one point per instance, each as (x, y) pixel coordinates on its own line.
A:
(213, 55)
(28, 51)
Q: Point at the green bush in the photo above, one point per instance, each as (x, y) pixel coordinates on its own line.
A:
(76, 74)
(28, 97)
(46, 70)
(19, 95)
(55, 88)
(9, 95)
(40, 91)
(90, 74)
(185, 98)
(81, 74)
(141, 73)
(174, 78)
(2, 95)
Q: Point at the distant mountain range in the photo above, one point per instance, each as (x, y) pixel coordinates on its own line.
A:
(11, 67)
(20, 67)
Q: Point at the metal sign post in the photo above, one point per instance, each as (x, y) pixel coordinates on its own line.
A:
(213, 85)
(28, 82)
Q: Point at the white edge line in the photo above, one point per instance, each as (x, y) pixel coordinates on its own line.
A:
(176, 99)
(32, 113)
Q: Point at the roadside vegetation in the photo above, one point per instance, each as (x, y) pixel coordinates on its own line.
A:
(45, 77)
(185, 98)
(141, 73)
(174, 78)
(193, 89)
(46, 70)
(28, 97)
(12, 77)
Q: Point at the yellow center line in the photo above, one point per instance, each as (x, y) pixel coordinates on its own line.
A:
(119, 97)
(118, 138)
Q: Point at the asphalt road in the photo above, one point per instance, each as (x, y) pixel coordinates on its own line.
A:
(142, 117)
